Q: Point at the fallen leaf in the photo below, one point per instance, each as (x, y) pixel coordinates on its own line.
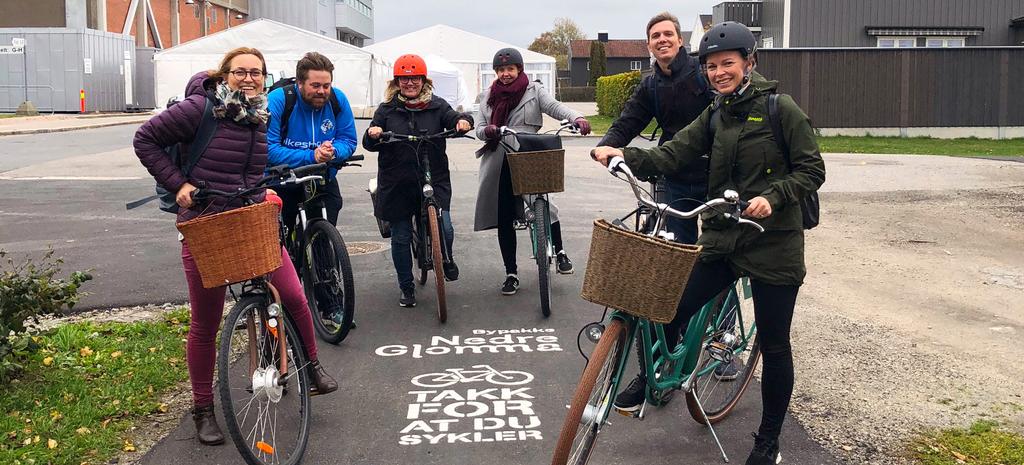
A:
(35, 440)
(51, 443)
(105, 423)
(128, 446)
(152, 350)
(26, 442)
(116, 402)
(85, 351)
(162, 408)
(115, 354)
(55, 415)
(48, 361)
(83, 430)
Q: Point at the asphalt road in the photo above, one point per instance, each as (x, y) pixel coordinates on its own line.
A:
(135, 259)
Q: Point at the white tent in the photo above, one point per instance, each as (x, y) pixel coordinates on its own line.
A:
(357, 72)
(471, 53)
(449, 83)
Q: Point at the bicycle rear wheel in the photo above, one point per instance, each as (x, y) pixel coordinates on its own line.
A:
(540, 245)
(593, 398)
(730, 338)
(435, 248)
(327, 279)
(266, 411)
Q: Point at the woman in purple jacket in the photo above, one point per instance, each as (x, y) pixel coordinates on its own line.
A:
(235, 158)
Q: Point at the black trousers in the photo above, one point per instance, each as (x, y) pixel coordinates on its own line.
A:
(507, 204)
(773, 314)
(292, 196)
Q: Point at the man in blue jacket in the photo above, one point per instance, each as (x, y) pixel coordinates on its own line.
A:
(316, 127)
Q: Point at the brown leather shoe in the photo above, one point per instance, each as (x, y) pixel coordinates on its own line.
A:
(207, 430)
(322, 382)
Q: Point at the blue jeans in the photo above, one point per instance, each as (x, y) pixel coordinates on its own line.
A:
(401, 247)
(684, 230)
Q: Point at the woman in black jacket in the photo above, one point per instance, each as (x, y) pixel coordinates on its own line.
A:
(411, 108)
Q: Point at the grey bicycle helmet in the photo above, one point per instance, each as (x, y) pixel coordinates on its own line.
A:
(729, 35)
(507, 56)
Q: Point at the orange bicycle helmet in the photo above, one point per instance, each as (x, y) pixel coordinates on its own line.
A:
(410, 65)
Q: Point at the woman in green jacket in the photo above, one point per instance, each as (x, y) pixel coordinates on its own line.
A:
(744, 157)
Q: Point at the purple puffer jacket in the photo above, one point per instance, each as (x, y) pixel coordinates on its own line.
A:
(235, 158)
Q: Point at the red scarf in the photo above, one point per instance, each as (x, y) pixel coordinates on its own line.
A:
(503, 98)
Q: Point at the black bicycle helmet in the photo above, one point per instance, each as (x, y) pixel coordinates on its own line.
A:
(729, 35)
(507, 56)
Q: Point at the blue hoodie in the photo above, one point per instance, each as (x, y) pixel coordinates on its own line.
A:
(307, 129)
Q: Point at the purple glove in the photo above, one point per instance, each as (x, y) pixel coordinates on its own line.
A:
(491, 132)
(583, 125)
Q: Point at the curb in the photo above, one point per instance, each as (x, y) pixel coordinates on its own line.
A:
(21, 132)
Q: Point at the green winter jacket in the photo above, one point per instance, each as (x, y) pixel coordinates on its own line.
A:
(744, 157)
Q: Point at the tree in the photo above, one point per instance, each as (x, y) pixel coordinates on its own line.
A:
(556, 41)
(598, 61)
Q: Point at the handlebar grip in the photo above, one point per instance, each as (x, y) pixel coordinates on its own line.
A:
(742, 205)
(356, 158)
(386, 136)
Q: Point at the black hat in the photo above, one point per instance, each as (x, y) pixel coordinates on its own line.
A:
(729, 35)
(507, 56)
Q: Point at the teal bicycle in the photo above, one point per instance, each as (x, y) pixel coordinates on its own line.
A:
(721, 333)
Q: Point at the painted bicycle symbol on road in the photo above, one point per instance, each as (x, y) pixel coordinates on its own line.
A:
(480, 373)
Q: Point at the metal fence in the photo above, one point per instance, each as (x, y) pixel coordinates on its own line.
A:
(902, 88)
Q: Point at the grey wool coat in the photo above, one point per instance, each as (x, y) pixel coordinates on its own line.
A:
(525, 117)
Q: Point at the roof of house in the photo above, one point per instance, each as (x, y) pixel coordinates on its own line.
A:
(706, 21)
(622, 48)
(686, 37)
(1017, 22)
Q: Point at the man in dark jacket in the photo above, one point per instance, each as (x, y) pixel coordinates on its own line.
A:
(674, 95)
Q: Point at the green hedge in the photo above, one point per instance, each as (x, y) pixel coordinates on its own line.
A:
(613, 91)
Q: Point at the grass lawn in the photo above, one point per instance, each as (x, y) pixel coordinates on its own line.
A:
(981, 444)
(8, 115)
(86, 386)
(897, 145)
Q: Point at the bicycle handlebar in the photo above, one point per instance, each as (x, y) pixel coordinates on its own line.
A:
(284, 174)
(391, 136)
(617, 165)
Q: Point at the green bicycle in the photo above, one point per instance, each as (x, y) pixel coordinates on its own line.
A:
(721, 333)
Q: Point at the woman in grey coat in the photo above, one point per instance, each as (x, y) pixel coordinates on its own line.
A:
(513, 101)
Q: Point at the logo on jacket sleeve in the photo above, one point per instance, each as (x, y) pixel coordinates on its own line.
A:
(326, 126)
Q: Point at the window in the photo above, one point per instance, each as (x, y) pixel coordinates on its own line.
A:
(213, 15)
(588, 65)
(768, 42)
(897, 42)
(634, 65)
(944, 42)
(359, 6)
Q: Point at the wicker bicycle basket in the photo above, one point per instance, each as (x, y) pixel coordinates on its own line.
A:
(540, 172)
(235, 245)
(639, 275)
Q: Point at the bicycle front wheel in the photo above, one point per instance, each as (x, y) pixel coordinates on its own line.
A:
(327, 279)
(593, 398)
(728, 356)
(540, 246)
(435, 247)
(266, 410)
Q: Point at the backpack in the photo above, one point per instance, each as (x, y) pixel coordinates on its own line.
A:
(291, 97)
(204, 134)
(810, 206)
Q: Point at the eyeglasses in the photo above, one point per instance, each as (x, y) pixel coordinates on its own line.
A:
(408, 79)
(242, 73)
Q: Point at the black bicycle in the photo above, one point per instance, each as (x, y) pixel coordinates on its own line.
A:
(537, 206)
(428, 244)
(319, 253)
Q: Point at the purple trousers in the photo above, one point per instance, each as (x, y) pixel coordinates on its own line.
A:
(207, 309)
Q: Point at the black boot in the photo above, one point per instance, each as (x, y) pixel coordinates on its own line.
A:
(766, 452)
(322, 382)
(207, 430)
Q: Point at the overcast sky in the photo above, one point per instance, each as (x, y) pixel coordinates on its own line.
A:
(520, 21)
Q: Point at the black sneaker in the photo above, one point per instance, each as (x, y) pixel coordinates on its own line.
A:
(766, 452)
(727, 371)
(511, 285)
(564, 264)
(408, 299)
(630, 399)
(451, 271)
